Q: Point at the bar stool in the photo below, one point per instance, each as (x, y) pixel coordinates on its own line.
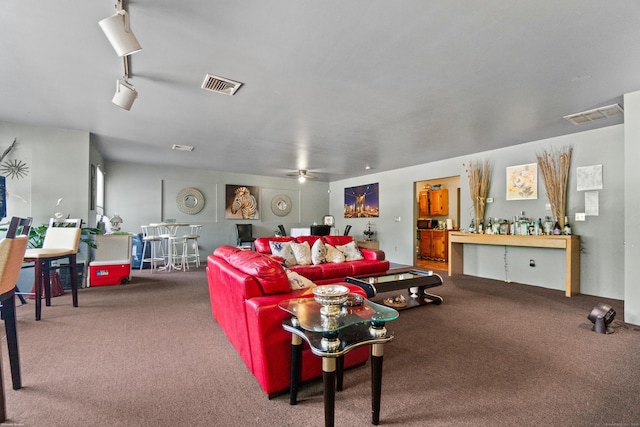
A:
(152, 238)
(191, 239)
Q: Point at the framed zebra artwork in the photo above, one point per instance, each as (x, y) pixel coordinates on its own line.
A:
(242, 202)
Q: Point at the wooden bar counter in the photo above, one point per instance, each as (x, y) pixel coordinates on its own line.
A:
(570, 244)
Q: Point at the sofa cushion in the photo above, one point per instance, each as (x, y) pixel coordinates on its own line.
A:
(337, 240)
(350, 251)
(318, 252)
(262, 244)
(284, 251)
(368, 267)
(268, 272)
(334, 270)
(296, 281)
(333, 255)
(309, 239)
(302, 252)
(311, 272)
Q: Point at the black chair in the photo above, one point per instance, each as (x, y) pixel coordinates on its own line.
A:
(283, 232)
(245, 234)
(12, 249)
(347, 229)
(320, 230)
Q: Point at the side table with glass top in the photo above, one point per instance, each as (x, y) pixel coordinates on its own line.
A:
(331, 335)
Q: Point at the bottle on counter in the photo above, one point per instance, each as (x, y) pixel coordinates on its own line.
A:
(489, 228)
(556, 228)
(536, 227)
(567, 227)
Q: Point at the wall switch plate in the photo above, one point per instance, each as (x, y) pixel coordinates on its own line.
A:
(489, 199)
(580, 217)
(398, 219)
(532, 263)
(547, 206)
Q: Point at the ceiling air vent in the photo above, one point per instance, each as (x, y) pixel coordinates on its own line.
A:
(220, 85)
(179, 147)
(595, 114)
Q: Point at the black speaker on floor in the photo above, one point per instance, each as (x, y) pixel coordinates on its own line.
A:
(601, 316)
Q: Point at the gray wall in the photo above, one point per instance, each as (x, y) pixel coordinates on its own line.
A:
(631, 210)
(602, 272)
(143, 194)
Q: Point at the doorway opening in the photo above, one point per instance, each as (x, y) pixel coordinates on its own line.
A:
(437, 211)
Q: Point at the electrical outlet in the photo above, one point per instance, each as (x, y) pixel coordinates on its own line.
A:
(398, 219)
(580, 217)
(547, 206)
(532, 263)
(489, 199)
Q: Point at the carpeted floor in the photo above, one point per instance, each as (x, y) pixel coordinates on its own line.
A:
(150, 354)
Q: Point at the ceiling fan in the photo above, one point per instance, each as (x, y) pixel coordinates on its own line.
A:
(302, 175)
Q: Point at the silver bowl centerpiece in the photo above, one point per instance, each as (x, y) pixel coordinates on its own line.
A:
(331, 298)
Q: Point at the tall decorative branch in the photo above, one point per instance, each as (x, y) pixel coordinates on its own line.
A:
(478, 173)
(555, 165)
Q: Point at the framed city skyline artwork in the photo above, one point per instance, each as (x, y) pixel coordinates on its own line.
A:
(361, 201)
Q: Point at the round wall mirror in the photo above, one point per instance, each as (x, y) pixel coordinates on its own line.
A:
(281, 205)
(190, 201)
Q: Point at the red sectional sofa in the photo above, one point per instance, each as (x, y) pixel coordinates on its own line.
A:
(245, 288)
(374, 260)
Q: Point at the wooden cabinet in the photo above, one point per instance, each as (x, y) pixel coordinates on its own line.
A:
(434, 244)
(434, 202)
(368, 244)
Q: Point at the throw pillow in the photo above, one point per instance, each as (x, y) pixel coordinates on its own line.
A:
(350, 251)
(283, 250)
(302, 252)
(297, 281)
(318, 252)
(333, 255)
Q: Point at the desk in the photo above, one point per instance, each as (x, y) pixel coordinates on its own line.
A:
(300, 231)
(331, 337)
(570, 244)
(172, 228)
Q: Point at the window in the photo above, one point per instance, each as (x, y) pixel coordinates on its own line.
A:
(99, 191)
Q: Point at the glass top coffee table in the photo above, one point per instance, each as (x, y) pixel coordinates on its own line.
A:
(414, 283)
(333, 333)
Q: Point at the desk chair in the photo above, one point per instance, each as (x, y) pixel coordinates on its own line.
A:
(245, 234)
(12, 249)
(60, 242)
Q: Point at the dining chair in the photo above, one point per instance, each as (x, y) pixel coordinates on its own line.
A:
(12, 249)
(283, 232)
(347, 229)
(245, 234)
(60, 242)
(190, 250)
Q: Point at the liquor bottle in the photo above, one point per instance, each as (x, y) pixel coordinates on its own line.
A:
(556, 228)
(567, 227)
(536, 227)
(489, 228)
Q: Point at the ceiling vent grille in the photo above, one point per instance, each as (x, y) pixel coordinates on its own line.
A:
(220, 85)
(179, 147)
(595, 114)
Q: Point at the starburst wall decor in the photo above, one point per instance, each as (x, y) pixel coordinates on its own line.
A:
(14, 169)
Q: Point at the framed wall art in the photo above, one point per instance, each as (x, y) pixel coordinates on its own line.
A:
(522, 182)
(242, 202)
(361, 201)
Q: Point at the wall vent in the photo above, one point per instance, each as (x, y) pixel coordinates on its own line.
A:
(179, 147)
(220, 85)
(595, 114)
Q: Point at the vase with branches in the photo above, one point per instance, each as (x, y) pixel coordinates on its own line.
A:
(478, 173)
(554, 167)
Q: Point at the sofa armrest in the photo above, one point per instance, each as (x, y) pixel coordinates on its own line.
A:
(372, 254)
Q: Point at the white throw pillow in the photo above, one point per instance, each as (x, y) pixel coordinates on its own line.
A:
(302, 252)
(333, 255)
(318, 252)
(350, 251)
(283, 250)
(297, 281)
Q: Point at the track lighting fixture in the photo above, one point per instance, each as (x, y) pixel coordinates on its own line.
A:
(125, 94)
(118, 32)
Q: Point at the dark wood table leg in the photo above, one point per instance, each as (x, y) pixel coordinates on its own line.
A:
(74, 279)
(47, 283)
(329, 381)
(377, 352)
(339, 372)
(38, 285)
(296, 368)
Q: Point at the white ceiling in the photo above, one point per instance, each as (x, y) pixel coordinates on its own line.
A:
(329, 85)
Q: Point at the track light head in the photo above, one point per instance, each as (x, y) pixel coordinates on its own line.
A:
(118, 32)
(125, 94)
